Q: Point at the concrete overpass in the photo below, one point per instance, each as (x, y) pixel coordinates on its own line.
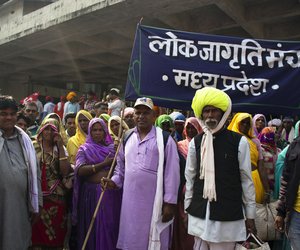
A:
(54, 45)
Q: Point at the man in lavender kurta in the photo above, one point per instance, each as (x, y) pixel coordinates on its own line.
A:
(138, 172)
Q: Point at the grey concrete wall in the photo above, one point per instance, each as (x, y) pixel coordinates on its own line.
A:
(18, 91)
(10, 11)
(50, 15)
(32, 5)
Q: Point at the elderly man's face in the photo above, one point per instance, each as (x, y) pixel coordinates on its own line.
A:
(211, 116)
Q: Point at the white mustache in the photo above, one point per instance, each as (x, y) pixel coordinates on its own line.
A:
(209, 122)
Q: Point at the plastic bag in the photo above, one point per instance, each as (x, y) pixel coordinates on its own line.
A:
(252, 242)
(264, 221)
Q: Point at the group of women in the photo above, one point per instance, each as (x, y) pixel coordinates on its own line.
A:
(263, 152)
(89, 154)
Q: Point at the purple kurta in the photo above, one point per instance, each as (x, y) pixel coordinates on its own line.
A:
(139, 179)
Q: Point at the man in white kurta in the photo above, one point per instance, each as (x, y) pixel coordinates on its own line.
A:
(213, 106)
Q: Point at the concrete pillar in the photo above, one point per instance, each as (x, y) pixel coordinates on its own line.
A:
(30, 86)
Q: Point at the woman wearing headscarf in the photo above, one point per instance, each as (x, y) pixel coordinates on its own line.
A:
(68, 180)
(61, 129)
(51, 228)
(270, 154)
(191, 128)
(81, 121)
(128, 117)
(165, 122)
(242, 124)
(113, 127)
(259, 122)
(181, 240)
(93, 161)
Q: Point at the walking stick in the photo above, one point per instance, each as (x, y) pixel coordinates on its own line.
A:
(104, 188)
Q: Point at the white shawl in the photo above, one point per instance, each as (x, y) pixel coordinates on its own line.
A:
(207, 163)
(291, 135)
(157, 226)
(31, 162)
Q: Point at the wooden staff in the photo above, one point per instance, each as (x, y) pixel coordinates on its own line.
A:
(120, 139)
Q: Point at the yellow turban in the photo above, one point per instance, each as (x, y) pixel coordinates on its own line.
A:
(71, 95)
(212, 97)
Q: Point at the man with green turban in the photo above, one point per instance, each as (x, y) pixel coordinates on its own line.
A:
(219, 188)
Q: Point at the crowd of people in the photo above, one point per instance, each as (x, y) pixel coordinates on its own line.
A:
(184, 180)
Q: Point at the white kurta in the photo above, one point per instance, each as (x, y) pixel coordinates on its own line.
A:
(221, 231)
